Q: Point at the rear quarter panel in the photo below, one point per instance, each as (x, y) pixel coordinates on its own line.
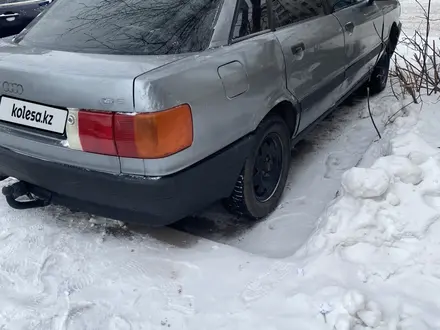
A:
(218, 120)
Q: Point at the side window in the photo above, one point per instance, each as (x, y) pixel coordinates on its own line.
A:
(293, 11)
(252, 17)
(336, 5)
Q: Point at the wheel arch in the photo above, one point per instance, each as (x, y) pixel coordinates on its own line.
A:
(290, 114)
(393, 38)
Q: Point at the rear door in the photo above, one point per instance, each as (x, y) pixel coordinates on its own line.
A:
(313, 46)
(362, 24)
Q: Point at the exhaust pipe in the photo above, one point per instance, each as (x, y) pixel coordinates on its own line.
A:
(20, 189)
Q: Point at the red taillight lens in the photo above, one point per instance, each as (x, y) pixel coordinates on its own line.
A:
(147, 136)
(125, 135)
(95, 131)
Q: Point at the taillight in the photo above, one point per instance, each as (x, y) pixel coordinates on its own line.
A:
(154, 135)
(95, 131)
(146, 135)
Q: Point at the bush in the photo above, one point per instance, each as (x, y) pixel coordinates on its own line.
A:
(417, 74)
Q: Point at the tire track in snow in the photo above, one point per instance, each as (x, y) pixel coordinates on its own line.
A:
(264, 283)
(146, 269)
(77, 282)
(119, 323)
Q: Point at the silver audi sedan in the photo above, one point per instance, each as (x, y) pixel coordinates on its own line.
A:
(150, 110)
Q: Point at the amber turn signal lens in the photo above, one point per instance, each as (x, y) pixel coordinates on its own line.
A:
(154, 135)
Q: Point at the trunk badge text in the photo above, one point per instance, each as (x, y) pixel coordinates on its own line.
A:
(110, 101)
(12, 88)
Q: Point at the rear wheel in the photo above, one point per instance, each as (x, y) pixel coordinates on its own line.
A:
(379, 77)
(261, 183)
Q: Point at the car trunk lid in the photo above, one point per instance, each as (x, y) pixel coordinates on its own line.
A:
(74, 80)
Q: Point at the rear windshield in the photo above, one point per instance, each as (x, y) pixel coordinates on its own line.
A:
(150, 27)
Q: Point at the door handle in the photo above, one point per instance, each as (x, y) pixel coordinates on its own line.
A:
(9, 17)
(298, 50)
(349, 27)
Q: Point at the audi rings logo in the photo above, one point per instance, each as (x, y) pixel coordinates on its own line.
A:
(12, 88)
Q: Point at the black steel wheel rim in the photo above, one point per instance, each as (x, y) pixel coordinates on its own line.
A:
(268, 167)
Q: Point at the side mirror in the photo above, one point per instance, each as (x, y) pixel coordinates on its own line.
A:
(370, 2)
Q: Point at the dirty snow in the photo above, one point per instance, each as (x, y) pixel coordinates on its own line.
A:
(367, 259)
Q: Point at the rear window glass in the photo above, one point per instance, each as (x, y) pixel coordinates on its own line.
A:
(150, 27)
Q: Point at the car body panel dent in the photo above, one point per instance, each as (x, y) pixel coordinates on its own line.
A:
(162, 89)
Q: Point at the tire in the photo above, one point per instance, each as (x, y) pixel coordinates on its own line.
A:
(379, 77)
(253, 197)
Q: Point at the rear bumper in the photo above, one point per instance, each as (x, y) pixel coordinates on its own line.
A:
(145, 200)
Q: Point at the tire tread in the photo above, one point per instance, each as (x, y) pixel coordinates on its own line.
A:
(236, 203)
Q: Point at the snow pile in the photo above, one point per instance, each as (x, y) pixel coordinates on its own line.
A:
(381, 239)
(366, 183)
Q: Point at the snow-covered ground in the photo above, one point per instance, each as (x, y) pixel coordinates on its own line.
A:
(369, 258)
(373, 261)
